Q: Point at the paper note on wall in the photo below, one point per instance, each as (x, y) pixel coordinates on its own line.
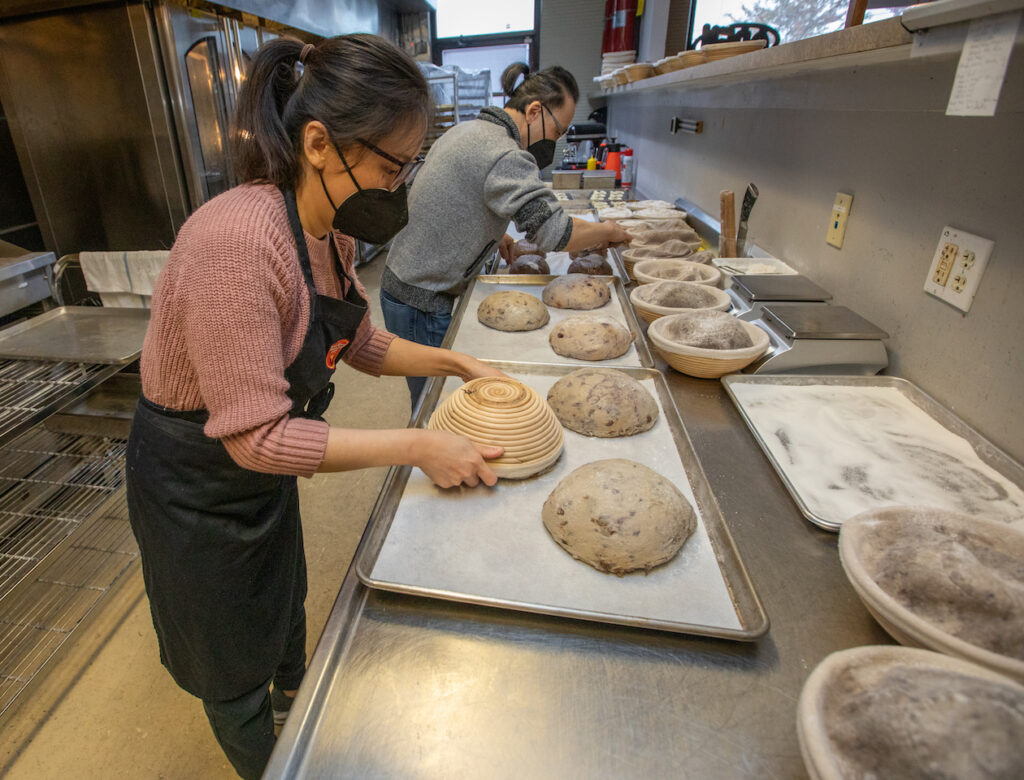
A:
(982, 68)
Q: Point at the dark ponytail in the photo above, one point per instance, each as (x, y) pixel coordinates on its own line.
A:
(358, 86)
(551, 86)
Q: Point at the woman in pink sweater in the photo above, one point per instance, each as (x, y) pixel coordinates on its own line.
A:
(256, 305)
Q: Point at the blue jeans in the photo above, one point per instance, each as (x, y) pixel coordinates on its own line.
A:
(412, 324)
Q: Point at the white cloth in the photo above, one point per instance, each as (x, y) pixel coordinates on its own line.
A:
(122, 272)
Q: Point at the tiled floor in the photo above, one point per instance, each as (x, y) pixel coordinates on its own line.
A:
(109, 709)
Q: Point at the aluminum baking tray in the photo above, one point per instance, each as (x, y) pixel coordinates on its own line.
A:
(78, 334)
(467, 334)
(853, 448)
(488, 546)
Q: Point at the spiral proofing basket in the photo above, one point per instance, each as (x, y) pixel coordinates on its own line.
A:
(660, 269)
(641, 294)
(706, 363)
(503, 412)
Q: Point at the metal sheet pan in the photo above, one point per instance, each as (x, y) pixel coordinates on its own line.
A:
(78, 334)
(488, 546)
(468, 335)
(801, 489)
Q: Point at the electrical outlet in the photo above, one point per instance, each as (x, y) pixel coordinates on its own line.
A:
(837, 225)
(957, 266)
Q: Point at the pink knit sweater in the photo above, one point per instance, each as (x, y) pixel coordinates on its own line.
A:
(230, 312)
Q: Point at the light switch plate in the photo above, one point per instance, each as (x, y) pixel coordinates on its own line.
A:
(837, 224)
(957, 266)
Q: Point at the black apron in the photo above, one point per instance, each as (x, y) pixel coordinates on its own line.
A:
(221, 546)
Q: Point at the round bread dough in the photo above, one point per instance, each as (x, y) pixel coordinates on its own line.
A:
(678, 295)
(524, 247)
(659, 235)
(707, 329)
(618, 516)
(603, 402)
(670, 248)
(594, 250)
(512, 310)
(595, 265)
(590, 338)
(620, 212)
(657, 213)
(576, 291)
(529, 264)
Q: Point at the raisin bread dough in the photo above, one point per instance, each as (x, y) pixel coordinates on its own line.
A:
(707, 330)
(595, 265)
(529, 264)
(590, 338)
(602, 402)
(618, 516)
(576, 291)
(512, 310)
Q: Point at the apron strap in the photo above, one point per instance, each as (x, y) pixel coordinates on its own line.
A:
(300, 239)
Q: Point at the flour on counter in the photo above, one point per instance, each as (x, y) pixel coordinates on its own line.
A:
(846, 450)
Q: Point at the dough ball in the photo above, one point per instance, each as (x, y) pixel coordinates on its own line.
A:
(603, 402)
(670, 248)
(595, 265)
(529, 264)
(512, 310)
(657, 213)
(678, 295)
(618, 516)
(524, 247)
(594, 250)
(659, 235)
(576, 291)
(616, 212)
(590, 338)
(706, 329)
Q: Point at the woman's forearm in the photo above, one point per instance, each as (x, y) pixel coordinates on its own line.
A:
(594, 234)
(407, 358)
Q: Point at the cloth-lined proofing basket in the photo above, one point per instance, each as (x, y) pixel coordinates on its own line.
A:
(652, 311)
(648, 271)
(700, 361)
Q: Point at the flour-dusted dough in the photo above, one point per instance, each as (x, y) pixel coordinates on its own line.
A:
(614, 213)
(576, 291)
(590, 338)
(595, 265)
(618, 516)
(512, 310)
(524, 247)
(678, 295)
(708, 330)
(529, 264)
(670, 248)
(656, 213)
(602, 402)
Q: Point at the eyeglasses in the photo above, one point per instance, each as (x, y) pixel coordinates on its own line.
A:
(405, 169)
(558, 126)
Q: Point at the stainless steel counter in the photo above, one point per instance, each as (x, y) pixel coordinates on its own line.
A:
(409, 687)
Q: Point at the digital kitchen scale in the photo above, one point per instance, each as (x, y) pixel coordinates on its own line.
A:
(750, 293)
(815, 339)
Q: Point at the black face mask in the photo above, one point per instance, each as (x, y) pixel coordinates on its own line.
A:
(375, 216)
(543, 151)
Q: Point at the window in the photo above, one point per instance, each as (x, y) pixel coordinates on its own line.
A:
(493, 58)
(457, 18)
(794, 19)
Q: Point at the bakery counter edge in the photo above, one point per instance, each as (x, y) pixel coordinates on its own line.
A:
(402, 686)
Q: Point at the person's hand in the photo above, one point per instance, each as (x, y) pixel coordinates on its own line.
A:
(471, 368)
(616, 235)
(450, 460)
(505, 248)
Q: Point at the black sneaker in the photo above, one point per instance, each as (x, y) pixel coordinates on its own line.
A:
(281, 704)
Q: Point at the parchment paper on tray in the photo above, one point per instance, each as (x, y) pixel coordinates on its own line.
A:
(489, 546)
(467, 334)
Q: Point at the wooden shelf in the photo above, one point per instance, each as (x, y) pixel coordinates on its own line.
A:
(869, 44)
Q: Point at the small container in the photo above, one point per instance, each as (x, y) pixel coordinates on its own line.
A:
(567, 180)
(598, 180)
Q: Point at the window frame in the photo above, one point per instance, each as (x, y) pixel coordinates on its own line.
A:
(531, 37)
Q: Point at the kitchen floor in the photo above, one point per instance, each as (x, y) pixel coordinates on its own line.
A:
(107, 707)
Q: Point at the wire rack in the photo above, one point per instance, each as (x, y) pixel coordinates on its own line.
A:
(31, 390)
(65, 542)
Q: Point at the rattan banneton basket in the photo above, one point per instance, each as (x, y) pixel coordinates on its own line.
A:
(707, 363)
(639, 296)
(504, 412)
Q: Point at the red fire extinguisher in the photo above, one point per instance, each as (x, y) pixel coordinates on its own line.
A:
(623, 24)
(609, 13)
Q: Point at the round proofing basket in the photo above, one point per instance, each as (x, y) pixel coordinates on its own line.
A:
(668, 65)
(902, 623)
(640, 70)
(620, 77)
(706, 363)
(647, 271)
(652, 311)
(503, 412)
(832, 676)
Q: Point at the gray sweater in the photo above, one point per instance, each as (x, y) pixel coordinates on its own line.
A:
(475, 181)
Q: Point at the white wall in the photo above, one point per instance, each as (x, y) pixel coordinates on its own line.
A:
(880, 133)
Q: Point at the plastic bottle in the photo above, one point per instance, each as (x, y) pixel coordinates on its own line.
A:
(628, 167)
(592, 164)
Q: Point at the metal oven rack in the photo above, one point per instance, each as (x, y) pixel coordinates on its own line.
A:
(65, 540)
